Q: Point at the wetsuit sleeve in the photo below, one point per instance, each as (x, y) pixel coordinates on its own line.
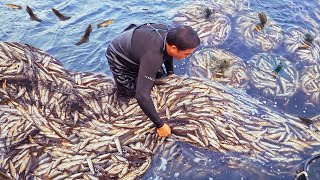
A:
(149, 66)
(169, 66)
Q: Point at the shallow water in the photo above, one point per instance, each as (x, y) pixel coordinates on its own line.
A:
(58, 37)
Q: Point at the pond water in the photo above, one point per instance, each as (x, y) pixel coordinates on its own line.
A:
(58, 37)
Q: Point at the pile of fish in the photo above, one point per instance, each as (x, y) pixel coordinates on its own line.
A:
(306, 44)
(212, 26)
(65, 125)
(231, 7)
(259, 31)
(273, 75)
(310, 83)
(218, 65)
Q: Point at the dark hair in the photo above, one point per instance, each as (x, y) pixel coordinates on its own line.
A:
(184, 37)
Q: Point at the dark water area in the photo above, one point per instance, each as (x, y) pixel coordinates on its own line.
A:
(58, 39)
(189, 162)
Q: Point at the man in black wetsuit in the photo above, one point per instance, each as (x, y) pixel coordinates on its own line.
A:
(136, 59)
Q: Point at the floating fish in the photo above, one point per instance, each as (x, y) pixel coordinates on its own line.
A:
(277, 70)
(85, 37)
(263, 20)
(14, 6)
(61, 16)
(307, 41)
(32, 15)
(105, 23)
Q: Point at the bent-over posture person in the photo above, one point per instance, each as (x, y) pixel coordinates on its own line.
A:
(136, 59)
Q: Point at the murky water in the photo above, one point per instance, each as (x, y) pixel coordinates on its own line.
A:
(58, 39)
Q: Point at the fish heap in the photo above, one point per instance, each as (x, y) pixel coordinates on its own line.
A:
(273, 75)
(66, 125)
(258, 31)
(232, 7)
(212, 26)
(305, 44)
(310, 83)
(218, 65)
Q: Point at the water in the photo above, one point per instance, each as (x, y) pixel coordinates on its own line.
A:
(58, 37)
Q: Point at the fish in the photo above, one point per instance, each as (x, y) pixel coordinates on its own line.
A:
(263, 20)
(209, 12)
(32, 15)
(306, 121)
(61, 16)
(85, 37)
(3, 176)
(105, 23)
(306, 42)
(277, 70)
(14, 6)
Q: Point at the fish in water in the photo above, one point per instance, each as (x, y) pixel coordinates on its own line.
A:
(209, 12)
(32, 15)
(263, 20)
(85, 37)
(306, 121)
(277, 70)
(222, 67)
(105, 23)
(14, 6)
(61, 16)
(307, 41)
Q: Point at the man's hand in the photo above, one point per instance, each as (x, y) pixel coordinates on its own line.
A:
(164, 131)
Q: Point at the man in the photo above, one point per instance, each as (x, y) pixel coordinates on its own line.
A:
(136, 56)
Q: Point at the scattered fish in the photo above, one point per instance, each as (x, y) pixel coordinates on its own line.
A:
(85, 37)
(32, 15)
(60, 15)
(105, 23)
(14, 6)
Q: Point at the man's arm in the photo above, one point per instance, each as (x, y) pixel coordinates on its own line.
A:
(169, 66)
(146, 76)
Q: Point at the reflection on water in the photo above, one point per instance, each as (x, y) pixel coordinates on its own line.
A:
(58, 38)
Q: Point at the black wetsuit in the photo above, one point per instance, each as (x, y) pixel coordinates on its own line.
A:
(135, 58)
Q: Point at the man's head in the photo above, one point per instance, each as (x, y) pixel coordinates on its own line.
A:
(182, 41)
